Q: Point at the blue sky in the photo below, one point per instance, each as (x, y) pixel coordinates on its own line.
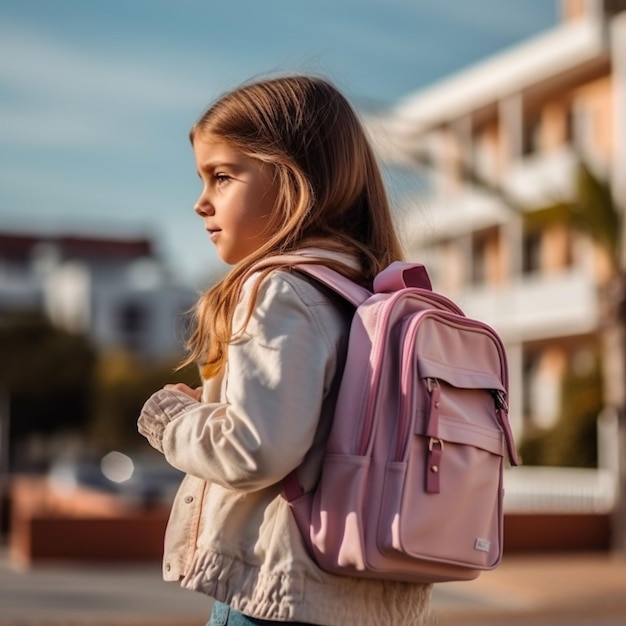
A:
(96, 97)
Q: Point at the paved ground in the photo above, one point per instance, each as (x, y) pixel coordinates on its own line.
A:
(540, 590)
(580, 590)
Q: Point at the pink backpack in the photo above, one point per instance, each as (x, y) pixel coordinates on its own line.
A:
(411, 485)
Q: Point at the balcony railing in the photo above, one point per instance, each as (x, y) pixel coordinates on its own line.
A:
(542, 179)
(559, 490)
(536, 307)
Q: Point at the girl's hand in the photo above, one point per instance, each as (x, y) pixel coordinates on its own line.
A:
(161, 408)
(196, 393)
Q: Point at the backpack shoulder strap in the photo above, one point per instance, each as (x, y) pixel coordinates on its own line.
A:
(348, 289)
(396, 276)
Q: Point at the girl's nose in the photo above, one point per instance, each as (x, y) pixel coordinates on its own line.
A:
(203, 208)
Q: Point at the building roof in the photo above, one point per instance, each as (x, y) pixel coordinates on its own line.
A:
(566, 48)
(20, 246)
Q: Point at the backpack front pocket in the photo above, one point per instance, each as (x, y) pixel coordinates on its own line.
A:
(442, 498)
(460, 522)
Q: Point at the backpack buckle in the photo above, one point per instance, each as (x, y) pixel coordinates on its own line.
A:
(433, 441)
(433, 465)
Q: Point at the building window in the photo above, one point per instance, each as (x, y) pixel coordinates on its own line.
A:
(531, 253)
(487, 258)
(479, 260)
(531, 134)
(132, 320)
(548, 249)
(543, 379)
(530, 366)
(570, 131)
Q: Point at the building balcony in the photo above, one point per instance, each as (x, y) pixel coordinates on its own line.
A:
(450, 215)
(531, 183)
(541, 179)
(537, 307)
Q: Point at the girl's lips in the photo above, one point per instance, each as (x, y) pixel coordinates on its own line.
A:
(213, 233)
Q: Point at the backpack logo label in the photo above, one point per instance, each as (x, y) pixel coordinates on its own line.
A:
(482, 544)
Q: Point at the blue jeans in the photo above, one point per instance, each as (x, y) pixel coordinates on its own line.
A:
(223, 615)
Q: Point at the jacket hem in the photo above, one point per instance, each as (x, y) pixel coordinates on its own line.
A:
(291, 596)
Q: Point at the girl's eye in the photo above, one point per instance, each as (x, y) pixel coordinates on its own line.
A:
(222, 179)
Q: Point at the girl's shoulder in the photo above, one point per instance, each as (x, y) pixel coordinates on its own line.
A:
(287, 299)
(285, 285)
(289, 280)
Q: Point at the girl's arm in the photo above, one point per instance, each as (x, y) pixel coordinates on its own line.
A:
(278, 374)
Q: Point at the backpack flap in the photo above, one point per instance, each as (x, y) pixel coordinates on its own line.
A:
(400, 275)
(459, 379)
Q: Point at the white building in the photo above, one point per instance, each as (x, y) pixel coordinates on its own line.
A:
(499, 146)
(114, 290)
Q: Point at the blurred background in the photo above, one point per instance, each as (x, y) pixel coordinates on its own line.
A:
(501, 128)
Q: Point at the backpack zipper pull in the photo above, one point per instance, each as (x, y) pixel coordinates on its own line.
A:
(435, 445)
(502, 412)
(500, 398)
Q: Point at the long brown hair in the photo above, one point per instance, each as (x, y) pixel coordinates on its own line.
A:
(330, 190)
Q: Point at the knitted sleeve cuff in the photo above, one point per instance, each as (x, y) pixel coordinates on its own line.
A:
(160, 409)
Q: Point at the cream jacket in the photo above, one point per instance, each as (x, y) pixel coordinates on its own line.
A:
(230, 533)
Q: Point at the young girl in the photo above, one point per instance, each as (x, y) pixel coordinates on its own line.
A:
(285, 168)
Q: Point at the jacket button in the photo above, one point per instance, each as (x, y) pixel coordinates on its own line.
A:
(188, 499)
(168, 567)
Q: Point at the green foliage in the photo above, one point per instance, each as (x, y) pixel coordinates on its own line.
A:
(595, 211)
(122, 385)
(532, 447)
(57, 383)
(573, 440)
(47, 374)
(558, 213)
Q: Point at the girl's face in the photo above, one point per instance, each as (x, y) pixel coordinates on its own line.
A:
(237, 199)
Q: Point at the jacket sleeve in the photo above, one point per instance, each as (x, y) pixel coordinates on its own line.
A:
(277, 375)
